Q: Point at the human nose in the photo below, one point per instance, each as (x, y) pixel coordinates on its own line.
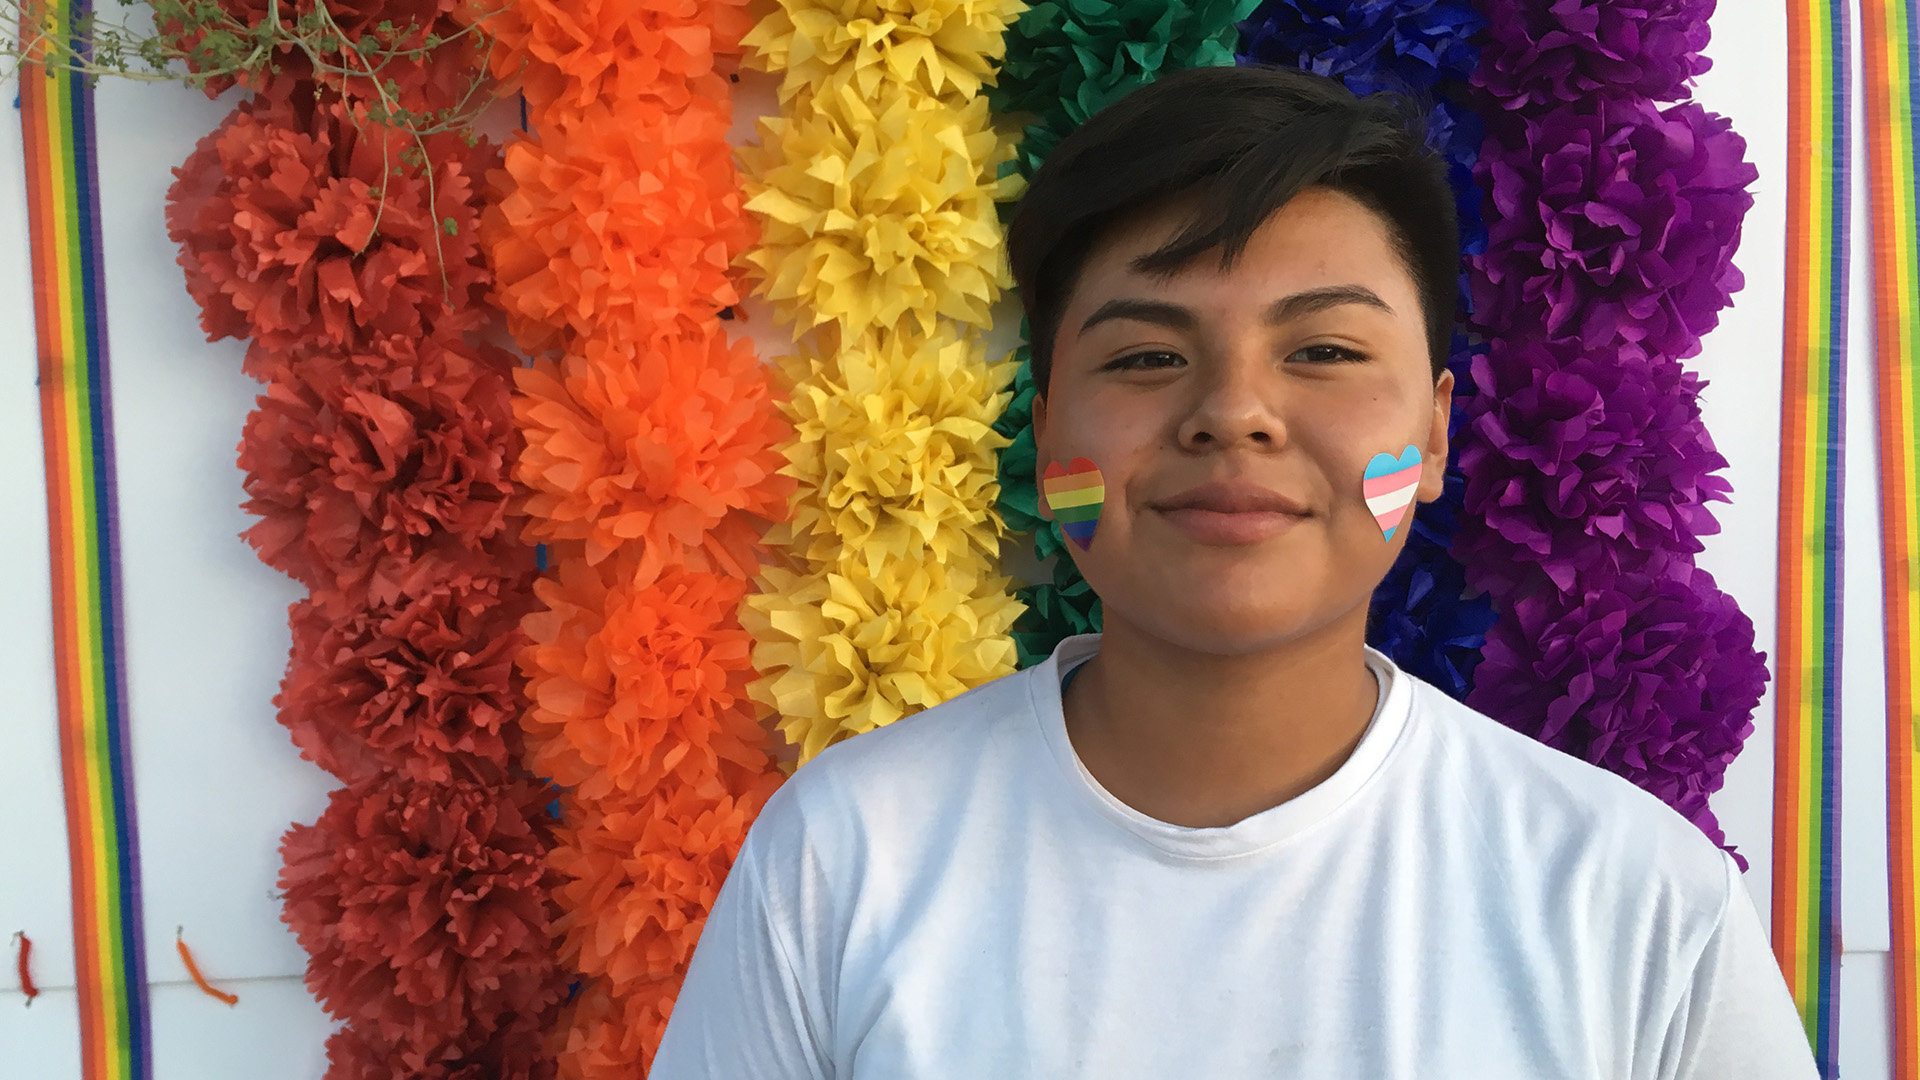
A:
(1236, 402)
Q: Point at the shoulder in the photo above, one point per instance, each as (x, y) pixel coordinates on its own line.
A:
(1573, 825)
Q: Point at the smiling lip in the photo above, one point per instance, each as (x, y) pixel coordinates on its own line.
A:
(1231, 513)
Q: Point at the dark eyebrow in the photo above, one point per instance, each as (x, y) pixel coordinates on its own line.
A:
(1301, 304)
(1157, 312)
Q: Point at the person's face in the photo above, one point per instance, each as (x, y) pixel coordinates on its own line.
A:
(1233, 414)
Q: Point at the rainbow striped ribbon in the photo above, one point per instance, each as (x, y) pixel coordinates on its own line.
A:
(1889, 50)
(1806, 829)
(63, 222)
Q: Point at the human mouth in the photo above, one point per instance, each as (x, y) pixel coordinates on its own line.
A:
(1231, 513)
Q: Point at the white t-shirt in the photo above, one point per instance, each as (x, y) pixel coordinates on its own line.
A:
(955, 896)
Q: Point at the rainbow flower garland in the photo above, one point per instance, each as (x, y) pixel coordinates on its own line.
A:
(378, 461)
(649, 473)
(880, 242)
(76, 418)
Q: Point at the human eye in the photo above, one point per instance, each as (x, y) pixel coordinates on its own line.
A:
(1327, 354)
(1146, 360)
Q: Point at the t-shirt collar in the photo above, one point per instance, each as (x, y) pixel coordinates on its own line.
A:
(1251, 834)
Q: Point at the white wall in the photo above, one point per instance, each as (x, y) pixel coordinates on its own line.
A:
(217, 780)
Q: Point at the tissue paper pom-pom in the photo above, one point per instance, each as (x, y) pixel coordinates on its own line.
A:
(425, 61)
(635, 683)
(1539, 54)
(1068, 59)
(894, 451)
(623, 222)
(656, 445)
(1368, 44)
(1616, 222)
(1422, 615)
(1054, 611)
(300, 226)
(1583, 464)
(359, 473)
(423, 909)
(1655, 679)
(575, 54)
(609, 1037)
(423, 688)
(640, 878)
(877, 212)
(845, 651)
(516, 1051)
(943, 47)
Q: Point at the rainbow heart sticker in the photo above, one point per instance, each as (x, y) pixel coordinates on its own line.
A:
(1073, 496)
(1389, 485)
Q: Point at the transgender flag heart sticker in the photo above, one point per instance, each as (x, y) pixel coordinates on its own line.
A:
(1073, 495)
(1390, 484)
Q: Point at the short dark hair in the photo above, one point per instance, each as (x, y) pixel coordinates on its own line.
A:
(1242, 141)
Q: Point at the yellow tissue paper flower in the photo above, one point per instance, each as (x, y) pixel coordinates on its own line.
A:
(894, 450)
(845, 650)
(941, 46)
(874, 213)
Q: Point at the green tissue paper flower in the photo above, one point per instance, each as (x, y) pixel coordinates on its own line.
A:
(1068, 59)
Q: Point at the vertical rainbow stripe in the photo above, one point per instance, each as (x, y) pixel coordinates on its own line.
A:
(1888, 49)
(63, 221)
(1806, 828)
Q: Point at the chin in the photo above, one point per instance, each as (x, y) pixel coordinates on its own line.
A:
(1226, 627)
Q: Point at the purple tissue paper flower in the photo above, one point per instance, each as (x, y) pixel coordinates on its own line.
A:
(1585, 464)
(1540, 54)
(1368, 44)
(1614, 222)
(1655, 680)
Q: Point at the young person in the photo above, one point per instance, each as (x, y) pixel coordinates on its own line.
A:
(1224, 838)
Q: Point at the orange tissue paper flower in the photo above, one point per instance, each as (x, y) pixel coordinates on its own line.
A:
(301, 225)
(640, 878)
(657, 446)
(568, 56)
(623, 222)
(631, 683)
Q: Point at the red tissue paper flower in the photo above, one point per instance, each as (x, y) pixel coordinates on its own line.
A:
(423, 688)
(517, 1051)
(632, 684)
(425, 913)
(301, 225)
(623, 222)
(428, 61)
(572, 55)
(383, 471)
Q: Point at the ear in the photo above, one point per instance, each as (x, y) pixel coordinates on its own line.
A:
(1433, 476)
(1040, 457)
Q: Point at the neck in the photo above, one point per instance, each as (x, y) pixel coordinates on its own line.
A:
(1202, 739)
